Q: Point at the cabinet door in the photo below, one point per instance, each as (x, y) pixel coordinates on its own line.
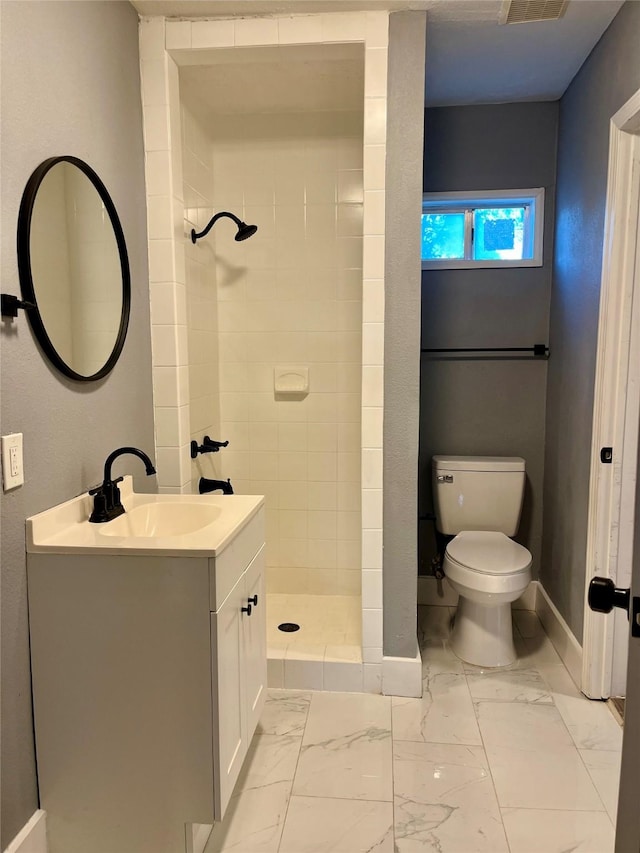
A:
(255, 643)
(229, 699)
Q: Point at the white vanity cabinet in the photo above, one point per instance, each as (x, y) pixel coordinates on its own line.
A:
(148, 676)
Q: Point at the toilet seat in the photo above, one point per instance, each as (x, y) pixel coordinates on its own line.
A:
(487, 553)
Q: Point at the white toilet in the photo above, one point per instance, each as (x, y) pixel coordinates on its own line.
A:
(478, 500)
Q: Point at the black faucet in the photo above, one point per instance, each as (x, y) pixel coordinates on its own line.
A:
(107, 504)
(205, 486)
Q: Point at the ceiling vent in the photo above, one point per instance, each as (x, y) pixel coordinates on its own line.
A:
(527, 11)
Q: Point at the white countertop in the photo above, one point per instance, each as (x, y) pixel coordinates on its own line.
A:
(66, 529)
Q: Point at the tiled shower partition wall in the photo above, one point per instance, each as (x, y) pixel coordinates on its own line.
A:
(164, 46)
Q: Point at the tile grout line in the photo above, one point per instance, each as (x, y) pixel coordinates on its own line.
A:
(393, 774)
(486, 754)
(293, 779)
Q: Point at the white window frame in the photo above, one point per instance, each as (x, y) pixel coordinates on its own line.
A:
(463, 201)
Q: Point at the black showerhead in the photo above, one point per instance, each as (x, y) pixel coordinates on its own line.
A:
(245, 231)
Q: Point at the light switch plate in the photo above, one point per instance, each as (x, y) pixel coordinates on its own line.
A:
(12, 465)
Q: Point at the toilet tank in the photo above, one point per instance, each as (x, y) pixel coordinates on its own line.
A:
(478, 493)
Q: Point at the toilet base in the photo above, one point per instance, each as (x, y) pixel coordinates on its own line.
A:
(483, 635)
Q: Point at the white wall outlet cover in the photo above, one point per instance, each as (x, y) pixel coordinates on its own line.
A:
(291, 379)
(12, 465)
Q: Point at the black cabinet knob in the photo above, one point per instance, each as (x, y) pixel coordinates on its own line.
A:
(604, 596)
(246, 609)
(253, 600)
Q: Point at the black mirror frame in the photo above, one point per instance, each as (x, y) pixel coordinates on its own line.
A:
(26, 277)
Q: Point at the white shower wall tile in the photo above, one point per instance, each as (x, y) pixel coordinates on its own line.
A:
(371, 468)
(374, 222)
(255, 31)
(373, 343)
(372, 549)
(373, 655)
(205, 34)
(372, 588)
(373, 256)
(341, 27)
(377, 29)
(376, 72)
(300, 29)
(375, 120)
(157, 167)
(374, 165)
(151, 37)
(154, 82)
(164, 345)
(159, 218)
(371, 628)
(178, 35)
(156, 127)
(372, 385)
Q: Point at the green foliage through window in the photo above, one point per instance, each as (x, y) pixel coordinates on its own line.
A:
(482, 228)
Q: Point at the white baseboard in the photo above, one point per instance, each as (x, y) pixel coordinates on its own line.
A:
(432, 591)
(32, 838)
(402, 676)
(560, 635)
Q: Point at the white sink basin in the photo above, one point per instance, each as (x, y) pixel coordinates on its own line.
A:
(175, 518)
(169, 525)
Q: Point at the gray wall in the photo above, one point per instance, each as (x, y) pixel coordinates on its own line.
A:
(608, 78)
(70, 85)
(407, 34)
(487, 407)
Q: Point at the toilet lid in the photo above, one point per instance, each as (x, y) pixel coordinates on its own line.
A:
(488, 552)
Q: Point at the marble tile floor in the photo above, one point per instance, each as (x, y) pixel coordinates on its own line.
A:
(513, 760)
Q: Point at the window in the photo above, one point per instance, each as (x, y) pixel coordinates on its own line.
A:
(486, 229)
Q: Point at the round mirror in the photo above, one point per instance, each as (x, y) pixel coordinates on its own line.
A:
(73, 266)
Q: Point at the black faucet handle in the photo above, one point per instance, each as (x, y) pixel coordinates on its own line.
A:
(101, 488)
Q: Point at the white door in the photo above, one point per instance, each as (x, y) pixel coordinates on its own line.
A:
(628, 824)
(628, 599)
(616, 407)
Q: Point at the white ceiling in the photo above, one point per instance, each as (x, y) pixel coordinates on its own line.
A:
(471, 58)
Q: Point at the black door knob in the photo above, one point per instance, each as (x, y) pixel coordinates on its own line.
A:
(604, 596)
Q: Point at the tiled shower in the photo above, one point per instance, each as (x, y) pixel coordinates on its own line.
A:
(306, 165)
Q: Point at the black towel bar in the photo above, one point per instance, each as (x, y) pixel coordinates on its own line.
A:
(537, 350)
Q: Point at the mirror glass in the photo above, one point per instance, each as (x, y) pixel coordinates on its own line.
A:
(74, 268)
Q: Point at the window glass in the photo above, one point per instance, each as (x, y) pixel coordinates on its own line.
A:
(442, 235)
(498, 234)
(492, 228)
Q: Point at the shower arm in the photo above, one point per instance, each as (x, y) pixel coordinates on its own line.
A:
(212, 222)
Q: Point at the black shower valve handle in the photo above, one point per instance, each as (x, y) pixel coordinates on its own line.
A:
(208, 446)
(214, 445)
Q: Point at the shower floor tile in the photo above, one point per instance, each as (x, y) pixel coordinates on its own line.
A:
(330, 627)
